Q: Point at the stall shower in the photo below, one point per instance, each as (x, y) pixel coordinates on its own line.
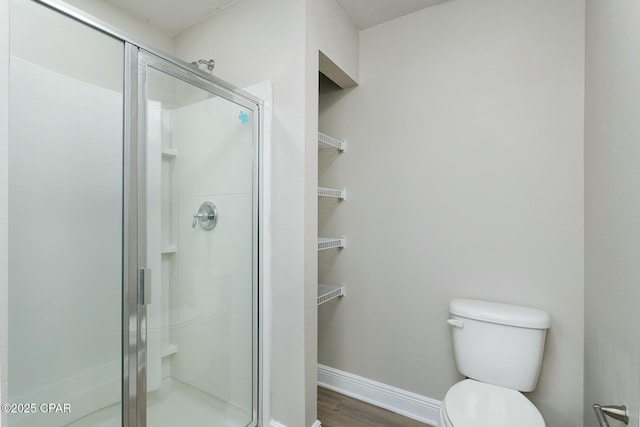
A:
(134, 210)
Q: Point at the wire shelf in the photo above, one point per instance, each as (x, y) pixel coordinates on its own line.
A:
(331, 142)
(330, 243)
(338, 193)
(329, 292)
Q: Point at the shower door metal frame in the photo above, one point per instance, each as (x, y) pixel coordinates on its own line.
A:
(137, 71)
(137, 54)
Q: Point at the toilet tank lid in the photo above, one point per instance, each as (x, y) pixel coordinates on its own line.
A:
(503, 314)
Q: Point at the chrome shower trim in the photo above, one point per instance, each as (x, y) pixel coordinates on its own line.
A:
(207, 216)
(150, 60)
(141, 237)
(130, 242)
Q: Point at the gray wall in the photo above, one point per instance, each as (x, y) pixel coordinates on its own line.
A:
(612, 206)
(464, 178)
(330, 31)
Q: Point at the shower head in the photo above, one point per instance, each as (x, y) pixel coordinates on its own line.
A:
(210, 64)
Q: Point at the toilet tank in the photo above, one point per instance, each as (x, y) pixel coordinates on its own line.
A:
(498, 344)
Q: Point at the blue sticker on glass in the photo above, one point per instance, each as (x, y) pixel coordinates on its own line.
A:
(244, 117)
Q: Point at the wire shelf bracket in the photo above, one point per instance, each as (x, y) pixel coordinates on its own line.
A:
(331, 242)
(329, 292)
(338, 193)
(331, 142)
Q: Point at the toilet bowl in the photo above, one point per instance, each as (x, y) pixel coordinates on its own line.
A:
(499, 348)
(471, 403)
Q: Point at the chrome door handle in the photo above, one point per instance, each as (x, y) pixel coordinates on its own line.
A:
(619, 413)
(207, 216)
(144, 286)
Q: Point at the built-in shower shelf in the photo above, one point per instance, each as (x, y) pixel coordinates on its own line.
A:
(169, 152)
(330, 242)
(329, 292)
(168, 350)
(329, 141)
(338, 193)
(170, 249)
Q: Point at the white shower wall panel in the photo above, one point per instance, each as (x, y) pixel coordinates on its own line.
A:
(215, 271)
(215, 163)
(215, 148)
(65, 239)
(31, 21)
(214, 355)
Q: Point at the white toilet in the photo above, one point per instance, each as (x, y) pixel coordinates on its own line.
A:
(499, 348)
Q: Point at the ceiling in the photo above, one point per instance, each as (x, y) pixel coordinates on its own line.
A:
(367, 13)
(172, 16)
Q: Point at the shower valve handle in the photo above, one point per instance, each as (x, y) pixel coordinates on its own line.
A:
(201, 216)
(207, 216)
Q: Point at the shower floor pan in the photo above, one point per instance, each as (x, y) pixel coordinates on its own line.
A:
(175, 404)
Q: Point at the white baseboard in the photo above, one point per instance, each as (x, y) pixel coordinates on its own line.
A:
(400, 401)
(275, 423)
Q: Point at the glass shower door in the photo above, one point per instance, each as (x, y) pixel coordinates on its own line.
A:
(201, 243)
(65, 221)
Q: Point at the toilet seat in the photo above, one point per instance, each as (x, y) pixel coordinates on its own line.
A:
(471, 403)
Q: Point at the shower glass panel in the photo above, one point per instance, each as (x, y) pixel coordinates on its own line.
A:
(66, 219)
(201, 242)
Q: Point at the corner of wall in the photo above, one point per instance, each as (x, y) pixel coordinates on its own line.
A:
(311, 233)
(338, 40)
(334, 72)
(332, 42)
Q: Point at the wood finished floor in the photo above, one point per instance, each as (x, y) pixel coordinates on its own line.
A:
(338, 410)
